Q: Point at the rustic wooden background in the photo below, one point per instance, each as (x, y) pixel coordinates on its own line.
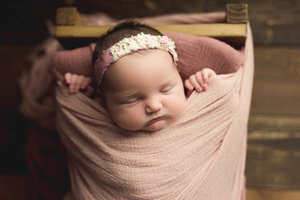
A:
(273, 158)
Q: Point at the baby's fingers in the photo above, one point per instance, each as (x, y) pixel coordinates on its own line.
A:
(74, 85)
(196, 82)
(68, 78)
(188, 85)
(201, 82)
(207, 73)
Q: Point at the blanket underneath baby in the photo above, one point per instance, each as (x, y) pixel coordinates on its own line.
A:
(199, 156)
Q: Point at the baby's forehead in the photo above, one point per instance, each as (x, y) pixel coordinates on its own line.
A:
(149, 56)
(149, 64)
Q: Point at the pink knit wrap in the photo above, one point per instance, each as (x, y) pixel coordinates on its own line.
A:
(200, 156)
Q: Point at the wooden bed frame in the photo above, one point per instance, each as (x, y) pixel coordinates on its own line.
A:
(70, 28)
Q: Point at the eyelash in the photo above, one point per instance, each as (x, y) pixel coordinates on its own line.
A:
(131, 101)
(134, 100)
(166, 90)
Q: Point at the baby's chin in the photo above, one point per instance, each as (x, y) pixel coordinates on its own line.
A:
(152, 129)
(144, 129)
(149, 128)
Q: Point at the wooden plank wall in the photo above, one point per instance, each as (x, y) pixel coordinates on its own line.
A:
(275, 111)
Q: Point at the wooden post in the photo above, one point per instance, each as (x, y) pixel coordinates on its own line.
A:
(237, 13)
(68, 16)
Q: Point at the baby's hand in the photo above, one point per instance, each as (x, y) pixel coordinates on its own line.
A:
(79, 83)
(198, 81)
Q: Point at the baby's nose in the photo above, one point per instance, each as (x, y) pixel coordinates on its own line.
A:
(153, 106)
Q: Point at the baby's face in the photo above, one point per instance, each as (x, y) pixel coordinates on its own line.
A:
(144, 91)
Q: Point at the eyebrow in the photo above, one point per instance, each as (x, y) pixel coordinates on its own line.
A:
(126, 94)
(169, 81)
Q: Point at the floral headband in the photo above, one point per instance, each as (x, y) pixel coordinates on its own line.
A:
(129, 45)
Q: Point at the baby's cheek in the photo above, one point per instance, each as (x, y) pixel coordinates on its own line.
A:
(129, 119)
(175, 105)
(179, 107)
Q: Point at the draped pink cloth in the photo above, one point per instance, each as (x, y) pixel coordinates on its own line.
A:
(200, 156)
(229, 150)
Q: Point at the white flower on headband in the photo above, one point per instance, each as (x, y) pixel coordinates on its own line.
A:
(140, 42)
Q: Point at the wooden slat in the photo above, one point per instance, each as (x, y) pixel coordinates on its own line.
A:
(265, 194)
(276, 81)
(213, 30)
(265, 127)
(273, 154)
(235, 33)
(273, 164)
(275, 22)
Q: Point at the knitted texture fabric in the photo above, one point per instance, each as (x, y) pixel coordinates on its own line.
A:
(200, 156)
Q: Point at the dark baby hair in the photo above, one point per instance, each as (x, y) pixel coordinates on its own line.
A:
(119, 32)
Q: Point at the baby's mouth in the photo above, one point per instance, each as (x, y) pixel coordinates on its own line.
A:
(155, 120)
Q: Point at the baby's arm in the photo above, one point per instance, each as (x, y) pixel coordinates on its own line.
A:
(78, 83)
(198, 81)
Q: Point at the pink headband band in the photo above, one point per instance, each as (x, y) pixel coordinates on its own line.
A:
(126, 46)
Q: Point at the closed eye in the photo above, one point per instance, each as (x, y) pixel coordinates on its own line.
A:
(167, 89)
(130, 100)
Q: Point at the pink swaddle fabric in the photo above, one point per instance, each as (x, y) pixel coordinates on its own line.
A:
(37, 97)
(200, 156)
